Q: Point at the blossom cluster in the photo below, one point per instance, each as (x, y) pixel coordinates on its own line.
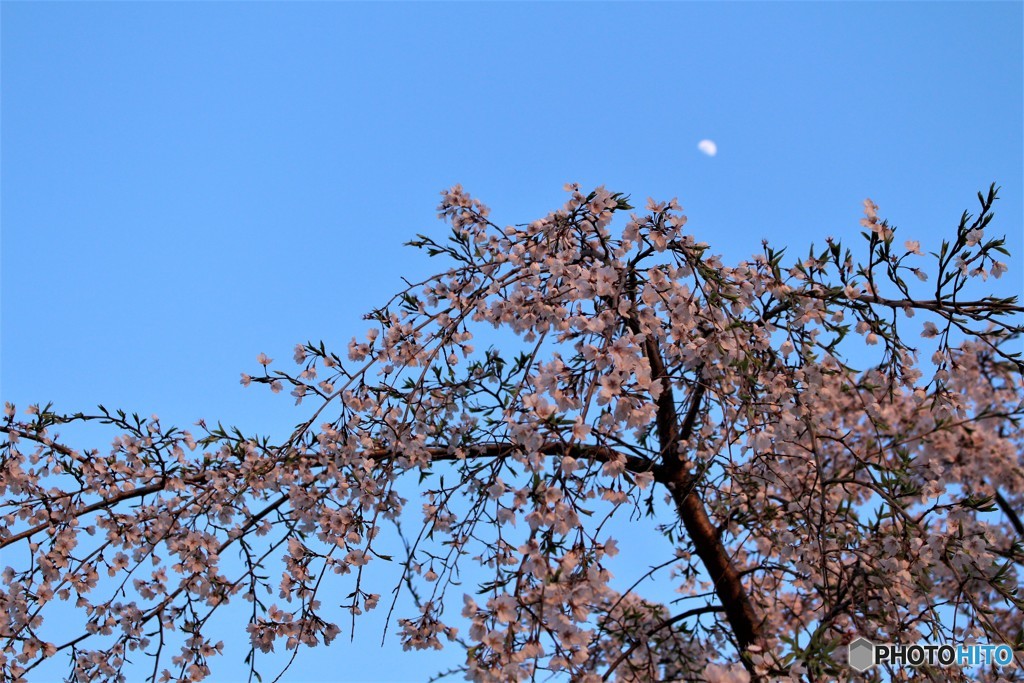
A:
(803, 500)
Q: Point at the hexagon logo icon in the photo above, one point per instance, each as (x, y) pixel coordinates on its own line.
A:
(862, 654)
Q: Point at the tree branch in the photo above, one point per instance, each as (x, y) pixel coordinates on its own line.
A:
(706, 609)
(1014, 518)
(706, 541)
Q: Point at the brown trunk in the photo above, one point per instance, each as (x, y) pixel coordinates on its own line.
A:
(675, 474)
(712, 553)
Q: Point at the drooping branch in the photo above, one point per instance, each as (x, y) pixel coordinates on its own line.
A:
(602, 454)
(696, 611)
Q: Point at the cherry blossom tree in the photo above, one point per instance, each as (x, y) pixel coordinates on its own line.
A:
(829, 447)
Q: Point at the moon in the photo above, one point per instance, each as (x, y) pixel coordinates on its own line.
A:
(708, 147)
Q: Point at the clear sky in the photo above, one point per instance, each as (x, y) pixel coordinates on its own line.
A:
(187, 185)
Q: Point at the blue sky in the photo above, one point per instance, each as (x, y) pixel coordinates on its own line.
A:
(187, 185)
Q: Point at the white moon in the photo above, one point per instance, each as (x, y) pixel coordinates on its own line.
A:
(708, 147)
